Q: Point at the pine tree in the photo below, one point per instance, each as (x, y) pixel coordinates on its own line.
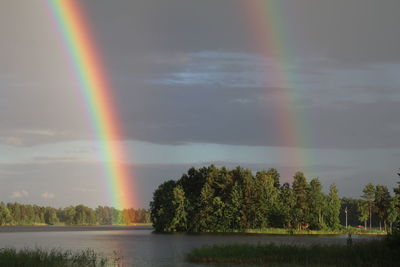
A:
(368, 196)
(363, 209)
(382, 203)
(393, 212)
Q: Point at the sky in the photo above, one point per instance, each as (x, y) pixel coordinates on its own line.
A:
(193, 88)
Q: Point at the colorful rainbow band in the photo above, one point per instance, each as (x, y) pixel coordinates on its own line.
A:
(93, 84)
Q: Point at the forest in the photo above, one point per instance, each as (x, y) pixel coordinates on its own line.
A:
(22, 214)
(212, 199)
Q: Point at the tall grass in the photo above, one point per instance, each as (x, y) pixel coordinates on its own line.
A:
(376, 253)
(11, 257)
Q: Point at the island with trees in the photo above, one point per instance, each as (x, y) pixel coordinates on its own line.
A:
(212, 199)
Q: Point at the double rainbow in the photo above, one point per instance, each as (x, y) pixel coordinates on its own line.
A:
(96, 91)
(267, 26)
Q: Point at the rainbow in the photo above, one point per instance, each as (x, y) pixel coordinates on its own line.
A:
(267, 26)
(92, 81)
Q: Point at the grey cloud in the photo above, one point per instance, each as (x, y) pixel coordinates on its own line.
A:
(20, 194)
(47, 195)
(206, 114)
(44, 159)
(209, 82)
(351, 31)
(192, 71)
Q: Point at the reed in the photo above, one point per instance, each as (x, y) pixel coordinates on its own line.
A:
(375, 253)
(56, 257)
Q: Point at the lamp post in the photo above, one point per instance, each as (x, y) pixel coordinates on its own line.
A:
(345, 210)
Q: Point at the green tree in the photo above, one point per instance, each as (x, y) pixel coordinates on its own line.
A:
(205, 218)
(363, 209)
(250, 209)
(274, 174)
(266, 196)
(68, 215)
(5, 215)
(179, 204)
(234, 207)
(218, 222)
(396, 224)
(300, 189)
(161, 208)
(381, 204)
(393, 212)
(316, 204)
(50, 216)
(84, 216)
(104, 215)
(282, 215)
(192, 183)
(333, 207)
(369, 196)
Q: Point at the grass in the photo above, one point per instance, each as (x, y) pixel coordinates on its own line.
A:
(12, 257)
(374, 253)
(284, 231)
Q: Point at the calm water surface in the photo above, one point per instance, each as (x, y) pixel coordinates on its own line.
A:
(138, 245)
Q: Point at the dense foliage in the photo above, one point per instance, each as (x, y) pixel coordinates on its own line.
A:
(20, 214)
(218, 199)
(212, 199)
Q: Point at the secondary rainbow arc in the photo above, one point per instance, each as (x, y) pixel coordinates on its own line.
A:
(269, 31)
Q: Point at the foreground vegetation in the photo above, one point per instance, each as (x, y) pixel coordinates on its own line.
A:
(20, 214)
(39, 257)
(375, 253)
(212, 199)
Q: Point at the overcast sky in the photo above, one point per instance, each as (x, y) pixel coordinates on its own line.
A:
(193, 89)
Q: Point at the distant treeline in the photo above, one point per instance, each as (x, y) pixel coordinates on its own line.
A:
(21, 214)
(212, 199)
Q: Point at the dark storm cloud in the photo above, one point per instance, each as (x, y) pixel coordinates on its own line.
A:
(352, 32)
(345, 30)
(189, 71)
(192, 71)
(203, 107)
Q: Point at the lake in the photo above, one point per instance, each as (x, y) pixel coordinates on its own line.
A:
(139, 246)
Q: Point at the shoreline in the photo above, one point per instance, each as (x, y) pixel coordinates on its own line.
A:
(269, 231)
(278, 231)
(77, 228)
